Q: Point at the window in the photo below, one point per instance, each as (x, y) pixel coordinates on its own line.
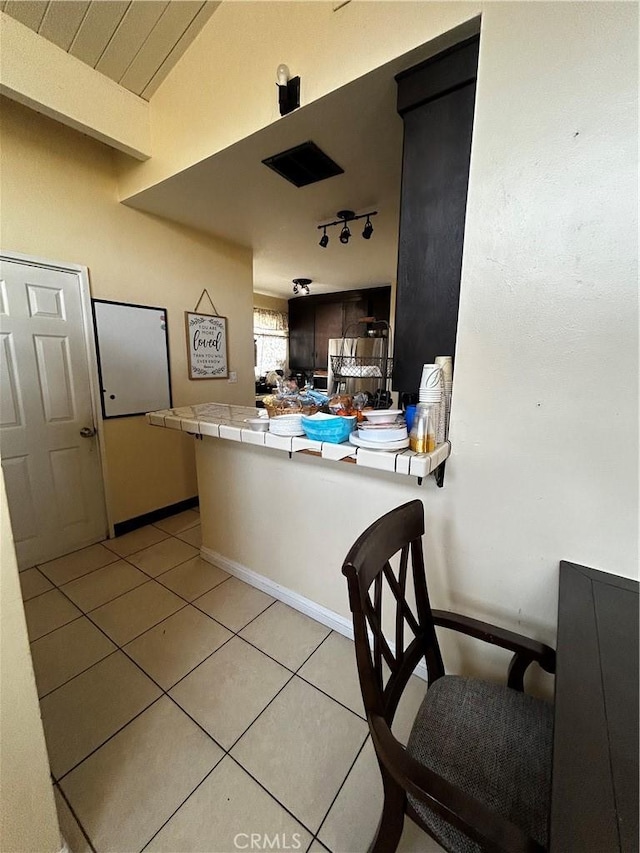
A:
(271, 339)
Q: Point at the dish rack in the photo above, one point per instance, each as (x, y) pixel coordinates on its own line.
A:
(346, 366)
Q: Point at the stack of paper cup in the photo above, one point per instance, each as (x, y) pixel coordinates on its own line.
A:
(430, 392)
(445, 362)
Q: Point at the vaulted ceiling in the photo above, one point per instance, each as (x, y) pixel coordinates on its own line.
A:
(134, 42)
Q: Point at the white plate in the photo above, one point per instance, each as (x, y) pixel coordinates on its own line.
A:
(382, 432)
(355, 439)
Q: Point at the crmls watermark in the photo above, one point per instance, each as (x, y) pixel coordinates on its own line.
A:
(264, 841)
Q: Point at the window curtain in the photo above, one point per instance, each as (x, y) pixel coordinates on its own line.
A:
(271, 337)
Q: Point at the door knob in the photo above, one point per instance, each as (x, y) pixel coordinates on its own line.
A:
(87, 432)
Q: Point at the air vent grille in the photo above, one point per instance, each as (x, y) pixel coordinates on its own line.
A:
(303, 165)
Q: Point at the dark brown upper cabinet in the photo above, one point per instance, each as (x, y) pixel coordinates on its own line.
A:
(436, 101)
(314, 320)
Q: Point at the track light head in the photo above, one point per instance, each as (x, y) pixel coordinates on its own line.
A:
(344, 218)
(301, 284)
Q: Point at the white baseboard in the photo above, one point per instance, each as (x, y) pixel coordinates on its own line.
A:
(282, 593)
(298, 602)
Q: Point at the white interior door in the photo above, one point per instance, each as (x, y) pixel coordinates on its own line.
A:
(52, 473)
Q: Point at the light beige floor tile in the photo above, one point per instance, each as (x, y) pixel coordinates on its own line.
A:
(85, 711)
(32, 583)
(103, 585)
(67, 652)
(193, 535)
(125, 791)
(138, 539)
(353, 819)
(181, 642)
(301, 748)
(316, 847)
(79, 563)
(241, 807)
(227, 692)
(177, 523)
(71, 831)
(47, 612)
(163, 556)
(193, 578)
(234, 603)
(332, 668)
(136, 611)
(288, 636)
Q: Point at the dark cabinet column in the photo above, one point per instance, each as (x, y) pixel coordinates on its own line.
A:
(301, 334)
(436, 101)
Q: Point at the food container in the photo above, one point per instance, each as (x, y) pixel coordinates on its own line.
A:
(333, 429)
(381, 416)
(286, 425)
(423, 438)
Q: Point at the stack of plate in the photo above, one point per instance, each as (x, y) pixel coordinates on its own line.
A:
(382, 432)
(287, 425)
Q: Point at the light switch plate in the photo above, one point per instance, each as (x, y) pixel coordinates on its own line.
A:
(233, 376)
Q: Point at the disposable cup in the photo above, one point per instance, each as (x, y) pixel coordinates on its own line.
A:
(430, 376)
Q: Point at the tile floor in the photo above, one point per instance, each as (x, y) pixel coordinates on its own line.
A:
(184, 710)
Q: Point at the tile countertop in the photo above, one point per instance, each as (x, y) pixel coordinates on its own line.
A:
(219, 420)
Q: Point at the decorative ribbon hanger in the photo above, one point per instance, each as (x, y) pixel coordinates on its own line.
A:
(204, 293)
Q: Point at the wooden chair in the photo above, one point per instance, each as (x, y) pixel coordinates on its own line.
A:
(476, 771)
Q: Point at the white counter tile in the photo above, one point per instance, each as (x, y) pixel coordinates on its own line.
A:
(208, 428)
(251, 436)
(232, 433)
(384, 461)
(278, 442)
(304, 443)
(337, 451)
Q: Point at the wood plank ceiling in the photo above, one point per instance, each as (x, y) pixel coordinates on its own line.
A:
(134, 42)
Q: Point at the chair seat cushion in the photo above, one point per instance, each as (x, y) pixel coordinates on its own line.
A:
(492, 742)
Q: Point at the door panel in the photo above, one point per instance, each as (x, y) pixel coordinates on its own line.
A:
(53, 475)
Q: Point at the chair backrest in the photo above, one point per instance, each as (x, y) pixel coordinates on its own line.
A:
(367, 565)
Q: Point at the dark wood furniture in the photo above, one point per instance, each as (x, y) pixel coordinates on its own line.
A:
(436, 101)
(477, 769)
(313, 320)
(594, 804)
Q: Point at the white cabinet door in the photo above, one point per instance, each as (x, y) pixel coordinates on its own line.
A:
(52, 474)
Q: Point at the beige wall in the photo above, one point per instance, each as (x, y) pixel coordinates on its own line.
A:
(59, 202)
(28, 821)
(196, 112)
(544, 425)
(271, 303)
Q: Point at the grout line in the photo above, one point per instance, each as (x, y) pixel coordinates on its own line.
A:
(75, 619)
(84, 574)
(106, 740)
(344, 782)
(77, 819)
(165, 693)
(82, 671)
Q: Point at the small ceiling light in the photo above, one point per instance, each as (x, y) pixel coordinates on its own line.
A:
(288, 90)
(344, 217)
(301, 285)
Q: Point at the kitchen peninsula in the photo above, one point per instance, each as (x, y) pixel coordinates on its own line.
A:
(278, 512)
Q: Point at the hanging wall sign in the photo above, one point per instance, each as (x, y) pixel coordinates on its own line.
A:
(206, 343)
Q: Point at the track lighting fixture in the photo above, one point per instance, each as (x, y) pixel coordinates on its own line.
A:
(288, 90)
(344, 217)
(301, 285)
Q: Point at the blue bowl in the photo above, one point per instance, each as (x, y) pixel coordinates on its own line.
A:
(332, 430)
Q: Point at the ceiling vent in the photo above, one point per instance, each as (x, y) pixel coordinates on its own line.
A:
(303, 165)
